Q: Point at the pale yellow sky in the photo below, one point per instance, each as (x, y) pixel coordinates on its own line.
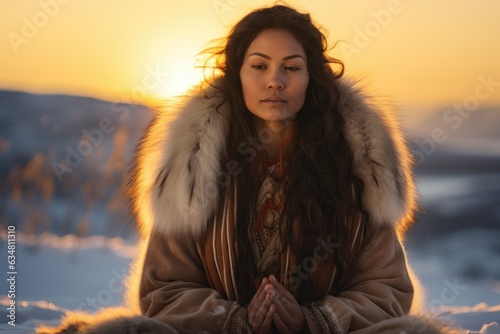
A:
(417, 52)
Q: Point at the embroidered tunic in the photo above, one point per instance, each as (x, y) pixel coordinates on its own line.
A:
(268, 207)
(269, 204)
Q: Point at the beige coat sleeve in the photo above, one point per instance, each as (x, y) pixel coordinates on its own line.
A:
(174, 290)
(379, 288)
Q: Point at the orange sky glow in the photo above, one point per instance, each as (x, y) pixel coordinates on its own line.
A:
(417, 52)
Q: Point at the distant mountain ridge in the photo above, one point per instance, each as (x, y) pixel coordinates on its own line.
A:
(64, 162)
(33, 122)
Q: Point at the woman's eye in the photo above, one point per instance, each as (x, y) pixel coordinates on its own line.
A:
(292, 68)
(258, 67)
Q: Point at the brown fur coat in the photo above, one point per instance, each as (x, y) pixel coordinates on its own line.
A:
(173, 195)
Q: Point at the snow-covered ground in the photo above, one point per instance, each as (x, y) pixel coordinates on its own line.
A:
(59, 273)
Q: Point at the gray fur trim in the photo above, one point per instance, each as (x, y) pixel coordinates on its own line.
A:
(107, 321)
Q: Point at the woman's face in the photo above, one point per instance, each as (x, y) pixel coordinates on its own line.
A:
(274, 76)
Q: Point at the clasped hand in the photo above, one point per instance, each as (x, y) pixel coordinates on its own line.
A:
(272, 303)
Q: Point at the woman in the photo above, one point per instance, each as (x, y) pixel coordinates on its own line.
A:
(273, 200)
(277, 194)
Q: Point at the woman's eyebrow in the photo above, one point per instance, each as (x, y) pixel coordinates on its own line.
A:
(269, 58)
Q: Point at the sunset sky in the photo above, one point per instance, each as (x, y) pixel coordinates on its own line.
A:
(417, 52)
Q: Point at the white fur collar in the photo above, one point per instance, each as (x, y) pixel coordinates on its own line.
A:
(176, 169)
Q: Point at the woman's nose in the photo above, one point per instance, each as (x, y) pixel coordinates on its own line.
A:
(276, 80)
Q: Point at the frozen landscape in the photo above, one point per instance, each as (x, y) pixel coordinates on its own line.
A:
(62, 167)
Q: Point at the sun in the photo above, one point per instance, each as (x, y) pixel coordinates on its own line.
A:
(179, 79)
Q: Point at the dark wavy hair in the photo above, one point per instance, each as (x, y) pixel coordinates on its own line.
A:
(319, 191)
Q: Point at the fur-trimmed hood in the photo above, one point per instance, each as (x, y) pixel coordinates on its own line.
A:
(177, 165)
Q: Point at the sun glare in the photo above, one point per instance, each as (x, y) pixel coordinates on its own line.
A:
(180, 79)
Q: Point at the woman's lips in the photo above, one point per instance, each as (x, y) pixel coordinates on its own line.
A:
(274, 100)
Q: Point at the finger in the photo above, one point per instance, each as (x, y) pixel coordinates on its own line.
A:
(280, 303)
(258, 297)
(263, 284)
(281, 289)
(280, 325)
(264, 307)
(268, 321)
(260, 294)
(278, 296)
(256, 318)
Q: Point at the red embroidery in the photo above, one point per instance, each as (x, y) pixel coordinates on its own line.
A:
(270, 198)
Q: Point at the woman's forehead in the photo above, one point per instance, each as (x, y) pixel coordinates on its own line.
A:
(275, 43)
